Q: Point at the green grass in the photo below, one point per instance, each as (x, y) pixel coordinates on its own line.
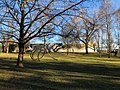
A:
(72, 72)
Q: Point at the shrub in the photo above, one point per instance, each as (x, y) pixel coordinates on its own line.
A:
(12, 47)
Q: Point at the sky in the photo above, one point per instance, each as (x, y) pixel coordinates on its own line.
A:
(116, 3)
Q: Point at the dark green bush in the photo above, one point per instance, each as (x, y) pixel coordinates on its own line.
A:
(12, 47)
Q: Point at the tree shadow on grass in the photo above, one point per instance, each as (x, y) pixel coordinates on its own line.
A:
(59, 76)
(97, 69)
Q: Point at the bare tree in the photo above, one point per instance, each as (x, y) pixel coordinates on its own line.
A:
(106, 11)
(67, 36)
(117, 15)
(85, 28)
(4, 39)
(28, 18)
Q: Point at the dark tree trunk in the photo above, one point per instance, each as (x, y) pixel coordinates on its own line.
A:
(3, 47)
(21, 39)
(20, 55)
(86, 47)
(67, 49)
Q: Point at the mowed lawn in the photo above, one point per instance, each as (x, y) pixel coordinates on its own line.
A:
(72, 72)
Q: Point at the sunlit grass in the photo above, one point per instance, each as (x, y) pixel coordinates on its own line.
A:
(68, 72)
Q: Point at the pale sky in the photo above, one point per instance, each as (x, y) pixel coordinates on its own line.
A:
(116, 3)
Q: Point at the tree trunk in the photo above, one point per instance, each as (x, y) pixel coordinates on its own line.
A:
(67, 49)
(86, 47)
(99, 49)
(7, 48)
(109, 51)
(20, 55)
(3, 47)
(86, 42)
(109, 42)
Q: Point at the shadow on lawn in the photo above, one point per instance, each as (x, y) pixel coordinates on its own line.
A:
(60, 76)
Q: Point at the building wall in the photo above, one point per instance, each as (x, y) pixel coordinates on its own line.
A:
(74, 49)
(59, 48)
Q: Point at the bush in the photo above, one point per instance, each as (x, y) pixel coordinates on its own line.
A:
(12, 47)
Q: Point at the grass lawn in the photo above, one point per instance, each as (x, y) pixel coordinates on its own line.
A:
(72, 72)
